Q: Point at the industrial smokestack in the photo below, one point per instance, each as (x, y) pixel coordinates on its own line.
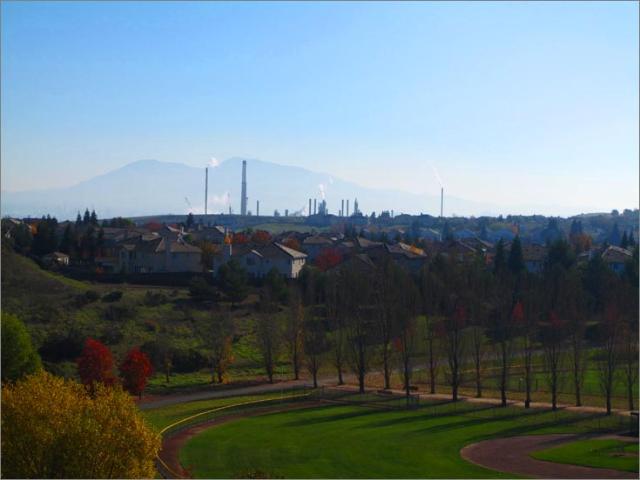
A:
(342, 209)
(206, 188)
(257, 208)
(441, 201)
(309, 211)
(314, 206)
(243, 200)
(347, 207)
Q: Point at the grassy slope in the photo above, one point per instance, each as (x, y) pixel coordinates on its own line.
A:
(164, 416)
(356, 442)
(594, 453)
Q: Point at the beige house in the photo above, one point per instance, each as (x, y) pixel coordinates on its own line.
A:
(153, 253)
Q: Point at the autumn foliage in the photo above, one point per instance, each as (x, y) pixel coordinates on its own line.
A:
(329, 257)
(239, 238)
(261, 237)
(292, 242)
(53, 428)
(135, 370)
(95, 364)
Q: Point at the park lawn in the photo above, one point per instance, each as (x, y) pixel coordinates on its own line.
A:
(347, 441)
(609, 453)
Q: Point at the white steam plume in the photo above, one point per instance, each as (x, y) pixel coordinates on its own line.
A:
(214, 162)
(321, 187)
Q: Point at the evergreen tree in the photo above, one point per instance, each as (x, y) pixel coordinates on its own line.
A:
(94, 218)
(189, 223)
(631, 240)
(233, 281)
(78, 220)
(500, 260)
(66, 243)
(624, 243)
(515, 261)
(86, 220)
(614, 236)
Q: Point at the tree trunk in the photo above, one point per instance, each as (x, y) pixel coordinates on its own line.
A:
(432, 373)
(361, 369)
(406, 376)
(340, 379)
(478, 379)
(503, 376)
(554, 390)
(315, 379)
(387, 373)
(527, 381)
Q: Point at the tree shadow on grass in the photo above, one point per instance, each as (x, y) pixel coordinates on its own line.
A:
(355, 413)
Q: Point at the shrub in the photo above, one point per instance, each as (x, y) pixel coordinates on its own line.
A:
(152, 299)
(19, 358)
(52, 428)
(119, 313)
(112, 296)
(188, 360)
(91, 296)
(199, 289)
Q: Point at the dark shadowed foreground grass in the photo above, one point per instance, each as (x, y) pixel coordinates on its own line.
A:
(594, 453)
(346, 441)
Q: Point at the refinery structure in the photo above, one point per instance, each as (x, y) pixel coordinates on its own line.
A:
(315, 207)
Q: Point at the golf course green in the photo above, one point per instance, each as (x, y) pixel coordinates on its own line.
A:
(348, 441)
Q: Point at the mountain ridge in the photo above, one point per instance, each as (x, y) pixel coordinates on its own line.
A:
(150, 186)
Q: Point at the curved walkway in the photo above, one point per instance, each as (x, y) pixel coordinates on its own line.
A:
(512, 455)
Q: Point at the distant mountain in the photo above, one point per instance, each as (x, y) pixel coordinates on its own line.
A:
(150, 187)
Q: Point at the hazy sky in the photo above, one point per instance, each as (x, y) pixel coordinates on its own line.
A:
(513, 103)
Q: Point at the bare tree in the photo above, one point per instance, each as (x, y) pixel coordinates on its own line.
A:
(607, 359)
(501, 331)
(268, 334)
(553, 335)
(454, 325)
(432, 338)
(335, 318)
(315, 345)
(356, 301)
(385, 295)
(218, 336)
(406, 308)
(294, 332)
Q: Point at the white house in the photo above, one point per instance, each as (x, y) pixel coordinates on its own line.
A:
(258, 260)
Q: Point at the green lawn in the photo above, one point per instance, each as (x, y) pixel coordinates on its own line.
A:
(594, 453)
(164, 416)
(338, 441)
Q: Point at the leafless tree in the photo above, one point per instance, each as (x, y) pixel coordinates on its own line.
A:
(294, 331)
(315, 345)
(608, 356)
(335, 317)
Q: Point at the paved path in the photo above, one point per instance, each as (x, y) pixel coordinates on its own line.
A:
(512, 455)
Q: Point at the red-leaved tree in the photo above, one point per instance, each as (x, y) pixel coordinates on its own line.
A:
(135, 370)
(95, 364)
(261, 237)
(239, 238)
(329, 257)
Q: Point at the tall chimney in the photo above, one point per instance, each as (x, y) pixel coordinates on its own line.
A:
(342, 209)
(243, 200)
(309, 211)
(441, 201)
(206, 188)
(257, 208)
(314, 206)
(347, 207)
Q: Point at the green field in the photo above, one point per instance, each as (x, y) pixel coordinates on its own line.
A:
(339, 441)
(594, 453)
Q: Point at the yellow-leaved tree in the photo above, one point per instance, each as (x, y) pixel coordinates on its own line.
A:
(52, 428)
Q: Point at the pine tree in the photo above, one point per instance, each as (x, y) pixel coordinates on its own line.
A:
(86, 220)
(500, 261)
(624, 243)
(94, 218)
(515, 261)
(78, 220)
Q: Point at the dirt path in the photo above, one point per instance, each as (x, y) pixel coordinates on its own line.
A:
(172, 444)
(511, 455)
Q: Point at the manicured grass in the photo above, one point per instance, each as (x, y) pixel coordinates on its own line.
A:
(338, 441)
(594, 453)
(164, 416)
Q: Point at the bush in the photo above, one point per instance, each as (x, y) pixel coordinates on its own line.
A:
(199, 289)
(119, 313)
(152, 299)
(19, 358)
(52, 428)
(112, 296)
(91, 296)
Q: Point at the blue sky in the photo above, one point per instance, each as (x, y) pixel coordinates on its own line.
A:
(513, 103)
